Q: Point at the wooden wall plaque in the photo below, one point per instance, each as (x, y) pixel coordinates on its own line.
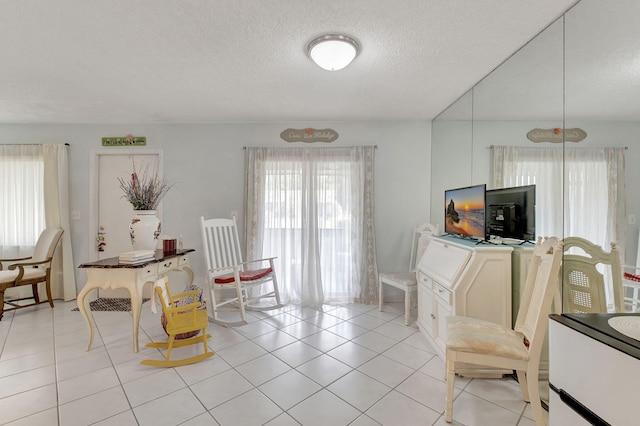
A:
(309, 135)
(556, 135)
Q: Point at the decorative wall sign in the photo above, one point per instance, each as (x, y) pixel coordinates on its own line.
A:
(125, 141)
(309, 135)
(555, 135)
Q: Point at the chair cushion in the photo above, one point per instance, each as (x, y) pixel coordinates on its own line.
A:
(249, 275)
(29, 273)
(632, 277)
(473, 335)
(403, 278)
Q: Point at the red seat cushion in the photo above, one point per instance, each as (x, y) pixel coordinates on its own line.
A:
(632, 277)
(244, 276)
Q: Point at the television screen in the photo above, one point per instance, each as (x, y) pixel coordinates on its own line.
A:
(465, 211)
(511, 212)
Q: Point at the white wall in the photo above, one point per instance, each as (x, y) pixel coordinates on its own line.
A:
(205, 161)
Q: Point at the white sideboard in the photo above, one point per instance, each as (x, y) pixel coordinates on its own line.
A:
(461, 277)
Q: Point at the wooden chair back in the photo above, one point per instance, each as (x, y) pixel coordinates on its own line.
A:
(46, 244)
(539, 290)
(584, 266)
(221, 245)
(420, 242)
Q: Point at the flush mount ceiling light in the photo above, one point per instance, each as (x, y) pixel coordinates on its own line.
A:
(333, 52)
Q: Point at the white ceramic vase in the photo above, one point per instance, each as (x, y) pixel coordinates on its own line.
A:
(144, 230)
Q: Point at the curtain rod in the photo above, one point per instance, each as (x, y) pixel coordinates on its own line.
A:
(625, 147)
(31, 144)
(374, 146)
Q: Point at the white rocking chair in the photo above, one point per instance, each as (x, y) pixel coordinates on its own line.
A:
(235, 285)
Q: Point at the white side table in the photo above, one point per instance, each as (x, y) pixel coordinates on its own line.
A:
(111, 274)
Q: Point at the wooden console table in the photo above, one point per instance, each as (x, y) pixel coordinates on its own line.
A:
(111, 274)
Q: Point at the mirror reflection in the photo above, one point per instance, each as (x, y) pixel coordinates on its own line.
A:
(451, 153)
(518, 126)
(562, 113)
(602, 65)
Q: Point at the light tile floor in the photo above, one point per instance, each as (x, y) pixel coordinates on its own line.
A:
(339, 365)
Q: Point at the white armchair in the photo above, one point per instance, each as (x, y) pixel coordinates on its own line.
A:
(30, 271)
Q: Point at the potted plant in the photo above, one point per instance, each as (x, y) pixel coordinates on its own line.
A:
(144, 190)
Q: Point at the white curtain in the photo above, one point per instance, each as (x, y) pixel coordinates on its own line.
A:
(33, 195)
(517, 166)
(592, 181)
(313, 209)
(21, 204)
(56, 200)
(580, 192)
(21, 199)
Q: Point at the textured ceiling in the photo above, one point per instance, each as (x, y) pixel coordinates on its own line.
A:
(169, 61)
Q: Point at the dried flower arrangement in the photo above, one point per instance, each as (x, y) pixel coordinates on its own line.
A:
(144, 190)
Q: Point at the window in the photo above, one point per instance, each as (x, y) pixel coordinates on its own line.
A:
(592, 204)
(21, 198)
(307, 206)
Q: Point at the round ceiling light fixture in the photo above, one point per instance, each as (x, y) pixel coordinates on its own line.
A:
(333, 52)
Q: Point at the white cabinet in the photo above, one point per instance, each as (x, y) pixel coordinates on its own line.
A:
(594, 371)
(434, 304)
(426, 305)
(460, 277)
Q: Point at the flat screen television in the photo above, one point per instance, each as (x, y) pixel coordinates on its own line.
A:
(464, 210)
(511, 212)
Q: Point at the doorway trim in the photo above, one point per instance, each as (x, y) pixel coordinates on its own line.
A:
(94, 180)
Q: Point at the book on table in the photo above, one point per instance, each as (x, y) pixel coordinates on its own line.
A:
(136, 256)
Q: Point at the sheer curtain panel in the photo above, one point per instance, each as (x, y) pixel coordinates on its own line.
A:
(34, 194)
(593, 205)
(592, 202)
(313, 209)
(56, 200)
(21, 204)
(21, 199)
(518, 166)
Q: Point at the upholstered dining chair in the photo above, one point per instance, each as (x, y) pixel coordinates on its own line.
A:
(30, 271)
(479, 342)
(235, 285)
(407, 280)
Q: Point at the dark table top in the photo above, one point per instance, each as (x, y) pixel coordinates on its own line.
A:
(114, 262)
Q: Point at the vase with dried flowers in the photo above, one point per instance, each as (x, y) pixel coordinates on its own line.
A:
(144, 190)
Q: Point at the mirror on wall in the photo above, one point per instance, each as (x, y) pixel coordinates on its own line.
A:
(451, 153)
(523, 94)
(602, 97)
(578, 75)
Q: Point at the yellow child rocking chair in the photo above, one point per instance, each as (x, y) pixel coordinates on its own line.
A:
(180, 320)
